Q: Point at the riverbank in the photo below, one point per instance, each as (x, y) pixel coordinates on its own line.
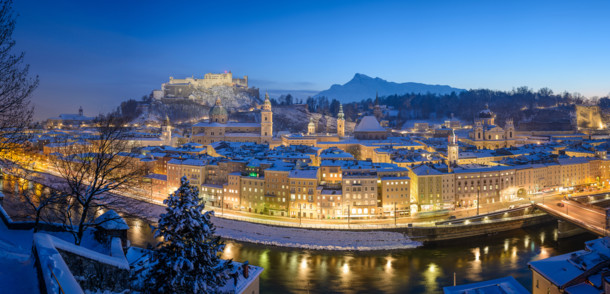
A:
(312, 239)
(390, 238)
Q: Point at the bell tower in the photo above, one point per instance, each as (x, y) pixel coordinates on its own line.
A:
(266, 121)
(510, 129)
(341, 122)
(166, 133)
(311, 127)
(453, 151)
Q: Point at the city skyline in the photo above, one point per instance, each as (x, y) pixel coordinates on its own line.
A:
(99, 55)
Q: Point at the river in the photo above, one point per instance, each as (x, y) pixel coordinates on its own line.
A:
(420, 270)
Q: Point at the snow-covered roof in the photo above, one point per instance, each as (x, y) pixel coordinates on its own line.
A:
(228, 124)
(564, 268)
(304, 173)
(502, 285)
(111, 220)
(424, 170)
(369, 124)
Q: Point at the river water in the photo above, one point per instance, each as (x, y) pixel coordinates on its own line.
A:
(420, 270)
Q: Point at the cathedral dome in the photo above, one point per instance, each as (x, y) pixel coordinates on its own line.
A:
(218, 109)
(218, 113)
(486, 113)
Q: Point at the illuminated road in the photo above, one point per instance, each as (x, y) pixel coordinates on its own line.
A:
(589, 217)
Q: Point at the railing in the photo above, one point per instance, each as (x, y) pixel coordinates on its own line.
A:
(61, 289)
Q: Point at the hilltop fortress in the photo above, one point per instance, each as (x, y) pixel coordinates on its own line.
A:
(191, 87)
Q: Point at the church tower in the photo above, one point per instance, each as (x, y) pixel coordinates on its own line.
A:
(453, 151)
(509, 128)
(311, 127)
(266, 121)
(377, 110)
(166, 132)
(341, 122)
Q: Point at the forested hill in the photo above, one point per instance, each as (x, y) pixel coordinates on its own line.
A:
(523, 105)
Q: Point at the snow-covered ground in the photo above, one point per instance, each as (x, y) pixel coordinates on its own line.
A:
(311, 239)
(17, 271)
(281, 236)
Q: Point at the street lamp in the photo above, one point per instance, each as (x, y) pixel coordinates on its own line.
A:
(348, 216)
(478, 198)
(395, 214)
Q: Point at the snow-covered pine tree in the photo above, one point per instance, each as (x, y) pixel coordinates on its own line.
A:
(188, 258)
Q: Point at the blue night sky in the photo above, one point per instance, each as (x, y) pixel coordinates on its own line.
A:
(99, 53)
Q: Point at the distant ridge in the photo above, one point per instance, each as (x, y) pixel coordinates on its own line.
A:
(364, 87)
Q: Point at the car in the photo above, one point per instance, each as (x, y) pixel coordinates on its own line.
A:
(511, 207)
(560, 204)
(452, 217)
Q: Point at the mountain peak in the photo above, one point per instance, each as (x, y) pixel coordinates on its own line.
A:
(362, 87)
(359, 76)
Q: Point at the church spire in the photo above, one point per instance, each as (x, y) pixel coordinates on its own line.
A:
(340, 115)
(267, 103)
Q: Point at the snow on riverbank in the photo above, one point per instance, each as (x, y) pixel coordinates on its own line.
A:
(282, 236)
(311, 239)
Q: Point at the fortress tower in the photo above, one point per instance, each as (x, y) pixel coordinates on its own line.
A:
(341, 122)
(266, 121)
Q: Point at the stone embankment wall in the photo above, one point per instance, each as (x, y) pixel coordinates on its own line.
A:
(481, 225)
(451, 232)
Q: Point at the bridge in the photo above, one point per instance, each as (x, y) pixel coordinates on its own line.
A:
(570, 213)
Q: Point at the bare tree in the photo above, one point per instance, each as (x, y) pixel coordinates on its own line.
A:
(16, 86)
(44, 205)
(92, 169)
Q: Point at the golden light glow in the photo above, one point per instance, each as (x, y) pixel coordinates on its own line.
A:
(477, 254)
(345, 268)
(432, 267)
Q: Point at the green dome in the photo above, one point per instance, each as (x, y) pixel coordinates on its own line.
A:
(218, 109)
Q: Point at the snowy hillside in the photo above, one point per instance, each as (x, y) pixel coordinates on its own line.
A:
(364, 87)
(294, 118)
(231, 97)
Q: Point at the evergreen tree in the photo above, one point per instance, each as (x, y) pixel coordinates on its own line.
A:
(188, 258)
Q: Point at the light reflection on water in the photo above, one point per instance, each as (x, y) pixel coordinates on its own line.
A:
(421, 270)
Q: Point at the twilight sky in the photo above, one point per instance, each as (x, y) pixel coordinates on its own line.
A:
(99, 53)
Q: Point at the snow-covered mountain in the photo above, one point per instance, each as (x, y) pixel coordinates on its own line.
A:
(363, 87)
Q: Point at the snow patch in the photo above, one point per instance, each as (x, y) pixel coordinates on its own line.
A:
(312, 239)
